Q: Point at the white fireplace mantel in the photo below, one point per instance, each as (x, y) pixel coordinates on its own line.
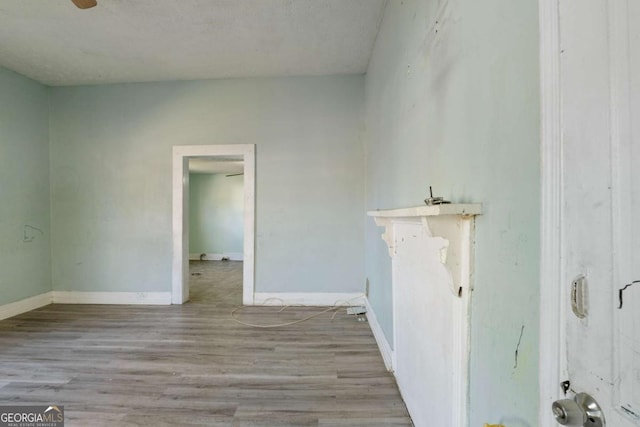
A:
(431, 249)
(449, 225)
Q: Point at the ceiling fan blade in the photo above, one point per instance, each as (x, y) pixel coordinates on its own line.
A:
(234, 174)
(85, 4)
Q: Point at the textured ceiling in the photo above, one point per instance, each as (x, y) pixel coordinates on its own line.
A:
(151, 40)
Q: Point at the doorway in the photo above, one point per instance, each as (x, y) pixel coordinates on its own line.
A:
(181, 157)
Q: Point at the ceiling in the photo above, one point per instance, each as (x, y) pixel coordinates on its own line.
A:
(55, 43)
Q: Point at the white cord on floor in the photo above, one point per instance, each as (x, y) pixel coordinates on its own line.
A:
(336, 306)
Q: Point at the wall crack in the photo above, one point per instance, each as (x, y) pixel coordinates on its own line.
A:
(515, 366)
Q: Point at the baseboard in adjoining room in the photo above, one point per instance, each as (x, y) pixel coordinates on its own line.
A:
(381, 339)
(116, 298)
(25, 305)
(231, 256)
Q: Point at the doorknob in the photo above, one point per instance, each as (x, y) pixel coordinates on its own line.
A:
(581, 411)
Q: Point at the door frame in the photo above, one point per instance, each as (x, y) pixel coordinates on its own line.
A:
(180, 273)
(552, 366)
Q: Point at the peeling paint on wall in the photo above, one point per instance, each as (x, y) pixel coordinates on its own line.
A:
(30, 233)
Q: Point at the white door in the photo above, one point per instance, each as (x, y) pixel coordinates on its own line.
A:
(599, 71)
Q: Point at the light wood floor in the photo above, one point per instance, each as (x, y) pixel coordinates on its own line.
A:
(191, 365)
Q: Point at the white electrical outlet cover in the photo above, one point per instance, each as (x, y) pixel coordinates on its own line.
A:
(360, 309)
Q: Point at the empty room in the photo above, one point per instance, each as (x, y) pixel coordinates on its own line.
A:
(319, 213)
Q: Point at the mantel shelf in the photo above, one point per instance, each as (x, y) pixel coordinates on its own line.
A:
(462, 209)
(450, 225)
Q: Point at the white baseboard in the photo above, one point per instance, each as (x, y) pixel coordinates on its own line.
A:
(27, 304)
(233, 256)
(308, 298)
(127, 298)
(381, 339)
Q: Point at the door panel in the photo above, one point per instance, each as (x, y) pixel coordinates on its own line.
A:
(600, 63)
(587, 183)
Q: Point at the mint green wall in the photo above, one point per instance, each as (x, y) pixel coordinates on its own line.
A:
(111, 178)
(452, 101)
(216, 222)
(25, 261)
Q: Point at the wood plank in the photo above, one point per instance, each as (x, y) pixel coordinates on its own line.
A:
(193, 365)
